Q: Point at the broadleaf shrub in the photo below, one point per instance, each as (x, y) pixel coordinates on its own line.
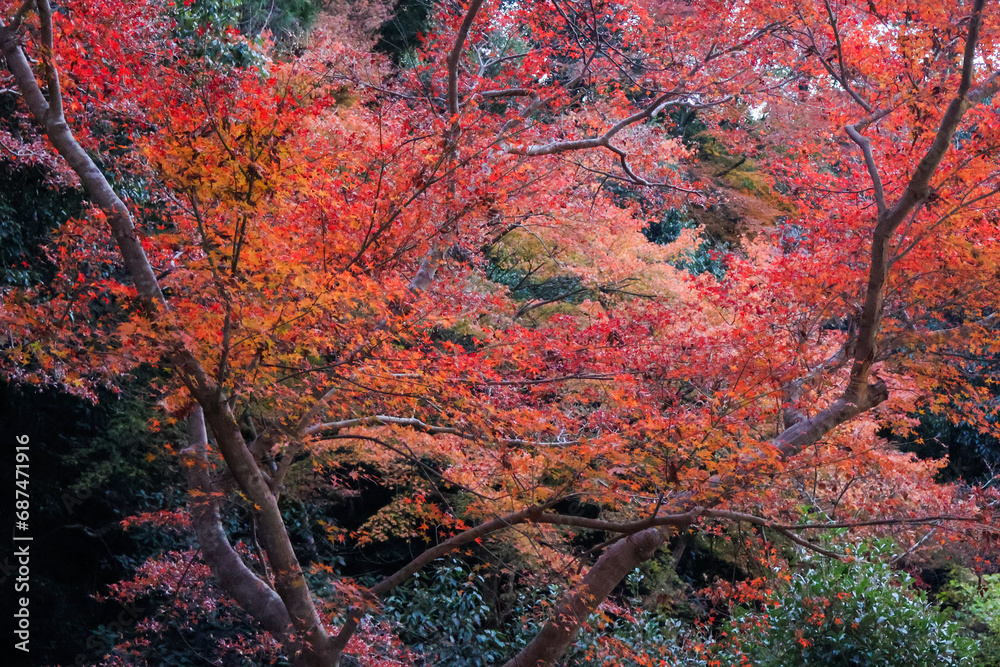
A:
(855, 613)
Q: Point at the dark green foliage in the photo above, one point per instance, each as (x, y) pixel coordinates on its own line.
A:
(686, 124)
(207, 28)
(976, 601)
(839, 614)
(971, 454)
(710, 256)
(285, 20)
(31, 208)
(524, 285)
(447, 616)
(401, 34)
(830, 614)
(443, 615)
(557, 288)
(668, 227)
(91, 465)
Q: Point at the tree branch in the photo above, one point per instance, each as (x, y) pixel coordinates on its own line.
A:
(236, 579)
(580, 602)
(804, 433)
(909, 339)
(331, 428)
(600, 141)
(49, 60)
(51, 118)
(418, 563)
(456, 55)
(830, 525)
(866, 148)
(684, 519)
(889, 220)
(840, 59)
(15, 22)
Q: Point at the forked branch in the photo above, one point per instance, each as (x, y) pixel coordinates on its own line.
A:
(916, 191)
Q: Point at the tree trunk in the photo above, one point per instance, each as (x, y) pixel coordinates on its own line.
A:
(236, 579)
(289, 582)
(580, 602)
(311, 646)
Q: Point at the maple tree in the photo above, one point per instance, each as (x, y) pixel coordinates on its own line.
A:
(311, 253)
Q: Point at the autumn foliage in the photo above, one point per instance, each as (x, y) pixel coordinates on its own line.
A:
(438, 271)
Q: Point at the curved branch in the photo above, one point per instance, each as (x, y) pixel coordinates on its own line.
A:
(381, 420)
(456, 55)
(916, 191)
(684, 519)
(866, 148)
(885, 522)
(49, 114)
(602, 140)
(580, 602)
(329, 429)
(807, 431)
(236, 579)
(910, 339)
(289, 580)
(840, 58)
(418, 563)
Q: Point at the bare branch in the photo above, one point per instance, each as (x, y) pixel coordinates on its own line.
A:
(627, 168)
(456, 55)
(628, 527)
(601, 141)
(332, 428)
(449, 545)
(50, 117)
(913, 547)
(380, 420)
(910, 339)
(829, 525)
(843, 79)
(25, 7)
(510, 92)
(560, 378)
(49, 59)
(866, 148)
(889, 220)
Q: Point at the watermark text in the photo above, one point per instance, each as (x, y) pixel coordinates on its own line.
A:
(22, 544)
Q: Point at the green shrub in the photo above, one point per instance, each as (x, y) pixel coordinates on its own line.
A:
(977, 604)
(854, 614)
(621, 633)
(442, 614)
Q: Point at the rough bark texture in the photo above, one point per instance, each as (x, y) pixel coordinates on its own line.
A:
(809, 430)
